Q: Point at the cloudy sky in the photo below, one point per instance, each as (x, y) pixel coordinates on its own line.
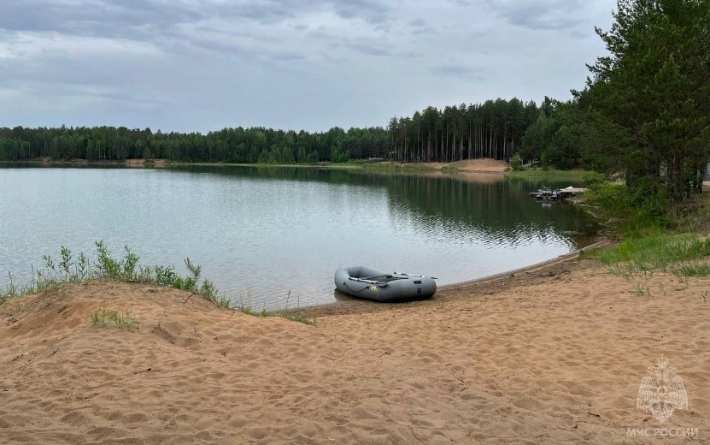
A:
(200, 65)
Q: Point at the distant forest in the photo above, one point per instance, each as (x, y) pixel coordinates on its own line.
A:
(494, 129)
(643, 111)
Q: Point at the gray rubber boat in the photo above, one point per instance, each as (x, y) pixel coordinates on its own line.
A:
(361, 282)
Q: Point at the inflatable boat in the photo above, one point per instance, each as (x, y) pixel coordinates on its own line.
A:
(361, 282)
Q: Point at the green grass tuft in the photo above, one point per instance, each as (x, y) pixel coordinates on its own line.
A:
(298, 318)
(120, 320)
(683, 255)
(102, 316)
(244, 308)
(657, 251)
(693, 270)
(126, 269)
(124, 321)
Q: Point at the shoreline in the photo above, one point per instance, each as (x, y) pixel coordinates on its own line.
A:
(514, 278)
(462, 169)
(558, 359)
(482, 166)
(488, 166)
(541, 265)
(521, 276)
(128, 163)
(441, 171)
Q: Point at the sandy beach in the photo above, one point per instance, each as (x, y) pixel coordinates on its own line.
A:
(484, 165)
(550, 355)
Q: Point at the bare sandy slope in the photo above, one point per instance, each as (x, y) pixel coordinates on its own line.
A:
(559, 360)
(141, 163)
(473, 166)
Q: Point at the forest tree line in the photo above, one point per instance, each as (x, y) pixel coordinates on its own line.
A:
(644, 112)
(494, 129)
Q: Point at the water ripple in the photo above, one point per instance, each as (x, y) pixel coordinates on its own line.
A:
(261, 233)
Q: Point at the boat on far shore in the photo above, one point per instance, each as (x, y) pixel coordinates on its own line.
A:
(549, 194)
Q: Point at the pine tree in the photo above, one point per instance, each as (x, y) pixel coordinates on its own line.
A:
(651, 93)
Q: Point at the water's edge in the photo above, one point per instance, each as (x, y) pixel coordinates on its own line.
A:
(456, 230)
(597, 245)
(355, 306)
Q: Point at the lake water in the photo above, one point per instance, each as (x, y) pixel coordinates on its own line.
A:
(262, 232)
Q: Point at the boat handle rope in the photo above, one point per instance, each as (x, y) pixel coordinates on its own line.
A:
(362, 281)
(410, 275)
(376, 283)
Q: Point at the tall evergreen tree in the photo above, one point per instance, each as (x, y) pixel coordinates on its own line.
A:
(650, 95)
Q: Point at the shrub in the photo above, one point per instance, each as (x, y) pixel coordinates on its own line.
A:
(516, 163)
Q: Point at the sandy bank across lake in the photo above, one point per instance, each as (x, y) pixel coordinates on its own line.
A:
(468, 166)
(557, 358)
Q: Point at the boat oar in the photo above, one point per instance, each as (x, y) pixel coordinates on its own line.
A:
(410, 275)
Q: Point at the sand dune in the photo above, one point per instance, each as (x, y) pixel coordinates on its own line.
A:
(557, 360)
(483, 165)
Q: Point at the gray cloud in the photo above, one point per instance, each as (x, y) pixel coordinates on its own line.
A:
(419, 27)
(367, 46)
(125, 19)
(141, 18)
(425, 30)
(204, 64)
(370, 50)
(260, 11)
(222, 47)
(541, 14)
(457, 71)
(94, 79)
(288, 57)
(373, 11)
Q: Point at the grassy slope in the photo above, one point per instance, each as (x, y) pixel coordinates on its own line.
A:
(654, 237)
(554, 174)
